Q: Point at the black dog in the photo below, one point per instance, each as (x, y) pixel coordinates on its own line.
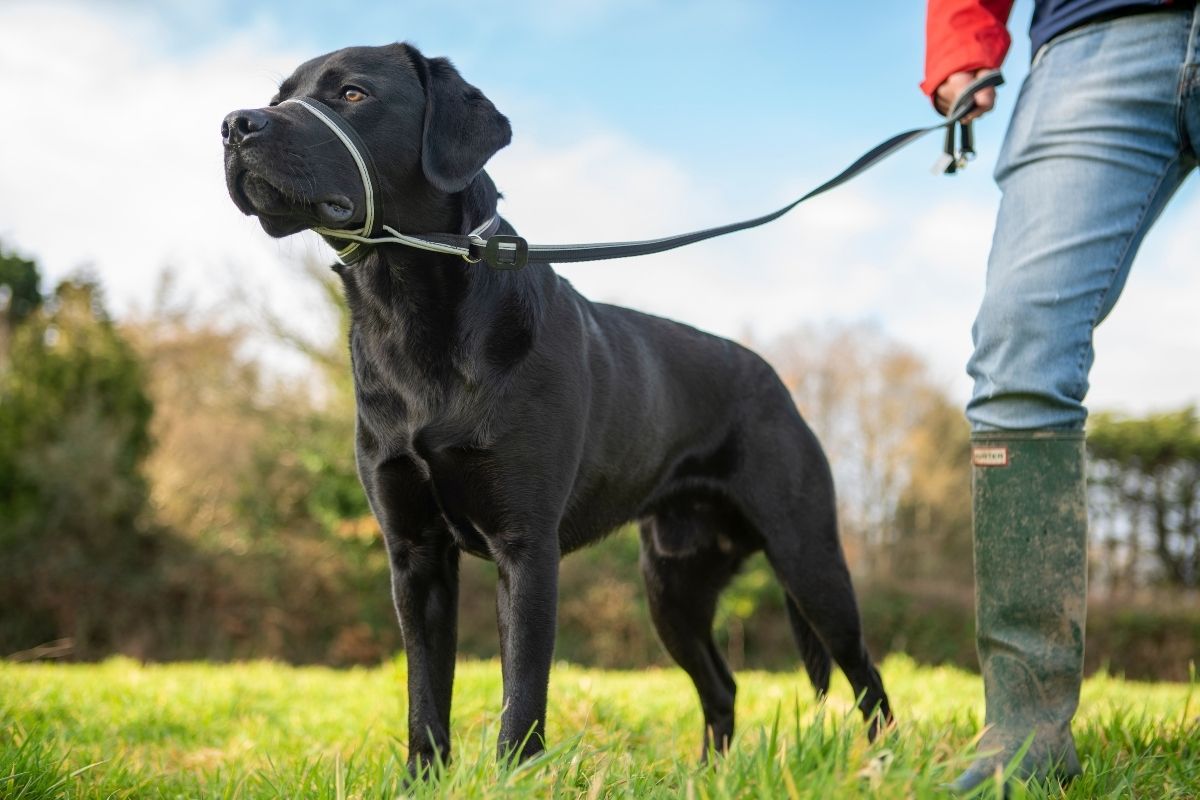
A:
(502, 414)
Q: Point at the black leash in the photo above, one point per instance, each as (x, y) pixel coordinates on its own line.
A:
(507, 252)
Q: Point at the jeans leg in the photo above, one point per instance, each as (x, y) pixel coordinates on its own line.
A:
(1092, 155)
(1191, 87)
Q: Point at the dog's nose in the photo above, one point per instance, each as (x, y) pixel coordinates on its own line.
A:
(242, 125)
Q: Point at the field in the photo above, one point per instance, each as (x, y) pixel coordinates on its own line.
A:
(122, 729)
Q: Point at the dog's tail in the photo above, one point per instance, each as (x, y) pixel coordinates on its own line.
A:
(817, 662)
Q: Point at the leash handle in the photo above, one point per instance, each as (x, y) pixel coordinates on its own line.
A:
(952, 160)
(965, 102)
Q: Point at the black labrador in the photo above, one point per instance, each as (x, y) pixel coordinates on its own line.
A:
(502, 414)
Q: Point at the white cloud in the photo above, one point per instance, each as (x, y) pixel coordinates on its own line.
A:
(1148, 350)
(114, 159)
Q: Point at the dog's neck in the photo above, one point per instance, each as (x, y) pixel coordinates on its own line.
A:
(441, 311)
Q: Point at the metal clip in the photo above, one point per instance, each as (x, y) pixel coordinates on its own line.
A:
(954, 158)
(966, 145)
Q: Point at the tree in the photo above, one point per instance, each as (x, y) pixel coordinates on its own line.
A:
(74, 431)
(1145, 486)
(20, 295)
(883, 423)
(253, 470)
(933, 511)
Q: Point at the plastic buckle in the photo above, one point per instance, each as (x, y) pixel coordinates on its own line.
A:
(506, 252)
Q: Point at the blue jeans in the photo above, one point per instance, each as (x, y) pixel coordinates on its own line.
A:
(1105, 130)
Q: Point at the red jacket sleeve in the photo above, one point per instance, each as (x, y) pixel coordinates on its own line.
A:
(964, 35)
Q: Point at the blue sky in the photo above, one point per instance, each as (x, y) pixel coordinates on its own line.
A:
(631, 118)
(743, 91)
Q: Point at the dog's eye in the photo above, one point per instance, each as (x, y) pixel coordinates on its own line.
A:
(353, 94)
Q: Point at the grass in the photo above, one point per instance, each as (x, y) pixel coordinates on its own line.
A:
(122, 729)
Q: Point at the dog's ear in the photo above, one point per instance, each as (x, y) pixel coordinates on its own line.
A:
(462, 127)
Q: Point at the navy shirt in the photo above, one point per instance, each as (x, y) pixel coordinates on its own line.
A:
(1052, 17)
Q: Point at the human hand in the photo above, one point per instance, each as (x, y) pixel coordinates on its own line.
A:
(951, 88)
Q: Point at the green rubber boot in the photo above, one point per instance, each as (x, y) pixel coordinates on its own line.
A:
(1030, 600)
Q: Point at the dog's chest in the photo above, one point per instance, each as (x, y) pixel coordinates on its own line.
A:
(400, 395)
(426, 463)
(393, 411)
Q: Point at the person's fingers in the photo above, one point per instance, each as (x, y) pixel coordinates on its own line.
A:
(951, 88)
(985, 101)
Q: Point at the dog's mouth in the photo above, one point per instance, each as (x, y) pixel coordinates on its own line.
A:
(336, 211)
(280, 207)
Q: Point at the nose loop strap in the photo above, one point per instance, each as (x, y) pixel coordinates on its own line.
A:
(347, 253)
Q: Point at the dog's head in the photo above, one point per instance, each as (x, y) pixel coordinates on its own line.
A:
(428, 131)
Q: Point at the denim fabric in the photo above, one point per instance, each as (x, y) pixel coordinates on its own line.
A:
(1105, 130)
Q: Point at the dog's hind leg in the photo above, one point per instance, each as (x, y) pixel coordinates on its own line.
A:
(682, 588)
(812, 650)
(787, 495)
(823, 610)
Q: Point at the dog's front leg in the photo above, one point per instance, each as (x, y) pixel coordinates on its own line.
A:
(526, 609)
(425, 588)
(424, 562)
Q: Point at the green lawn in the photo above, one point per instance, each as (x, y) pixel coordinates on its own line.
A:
(120, 729)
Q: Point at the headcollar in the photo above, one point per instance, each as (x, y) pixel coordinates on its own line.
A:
(359, 239)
